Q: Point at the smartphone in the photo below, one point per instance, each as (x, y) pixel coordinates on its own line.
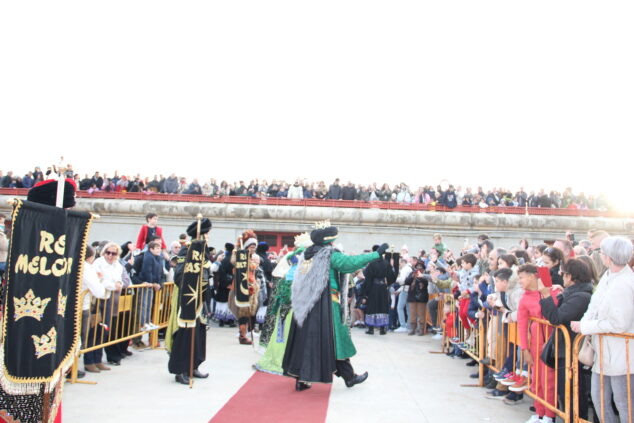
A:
(544, 274)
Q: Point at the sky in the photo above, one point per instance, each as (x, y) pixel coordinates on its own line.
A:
(487, 93)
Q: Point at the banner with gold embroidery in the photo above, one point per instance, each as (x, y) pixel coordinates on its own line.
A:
(192, 287)
(242, 279)
(42, 314)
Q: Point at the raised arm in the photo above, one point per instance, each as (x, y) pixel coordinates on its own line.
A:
(348, 264)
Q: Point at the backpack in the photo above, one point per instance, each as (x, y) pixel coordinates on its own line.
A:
(136, 269)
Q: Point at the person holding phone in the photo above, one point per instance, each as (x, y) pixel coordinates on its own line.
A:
(553, 258)
(417, 297)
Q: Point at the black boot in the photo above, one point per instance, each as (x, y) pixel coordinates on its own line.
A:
(182, 378)
(356, 380)
(301, 386)
(200, 375)
(382, 331)
(221, 323)
(370, 330)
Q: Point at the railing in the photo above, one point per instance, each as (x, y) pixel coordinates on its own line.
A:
(489, 337)
(541, 377)
(312, 202)
(605, 401)
(496, 343)
(112, 321)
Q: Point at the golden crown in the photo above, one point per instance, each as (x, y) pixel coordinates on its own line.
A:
(45, 344)
(29, 306)
(323, 224)
(303, 240)
(61, 303)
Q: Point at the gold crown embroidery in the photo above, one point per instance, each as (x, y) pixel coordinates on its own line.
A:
(45, 344)
(323, 224)
(29, 306)
(61, 303)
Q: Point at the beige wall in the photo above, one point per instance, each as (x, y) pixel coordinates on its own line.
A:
(359, 228)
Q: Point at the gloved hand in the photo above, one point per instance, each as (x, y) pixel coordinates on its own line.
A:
(383, 248)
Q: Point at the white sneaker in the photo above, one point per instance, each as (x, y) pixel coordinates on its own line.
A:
(437, 336)
(400, 330)
(534, 419)
(152, 326)
(547, 419)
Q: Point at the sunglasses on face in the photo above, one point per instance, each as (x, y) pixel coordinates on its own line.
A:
(110, 253)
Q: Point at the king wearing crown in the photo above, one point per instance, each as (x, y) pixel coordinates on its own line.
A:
(319, 342)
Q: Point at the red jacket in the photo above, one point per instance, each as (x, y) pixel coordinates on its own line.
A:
(529, 307)
(140, 241)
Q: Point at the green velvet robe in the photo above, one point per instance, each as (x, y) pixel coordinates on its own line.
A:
(341, 263)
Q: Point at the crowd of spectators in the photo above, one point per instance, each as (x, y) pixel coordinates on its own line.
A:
(449, 196)
(586, 286)
(592, 293)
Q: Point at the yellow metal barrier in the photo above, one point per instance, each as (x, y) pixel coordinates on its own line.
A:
(547, 374)
(542, 381)
(599, 355)
(121, 317)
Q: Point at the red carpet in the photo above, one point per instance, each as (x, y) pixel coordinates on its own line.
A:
(272, 398)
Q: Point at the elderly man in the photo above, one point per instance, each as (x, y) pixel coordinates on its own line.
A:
(565, 246)
(596, 237)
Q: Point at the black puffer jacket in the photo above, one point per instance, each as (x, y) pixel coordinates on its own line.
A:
(572, 305)
(418, 289)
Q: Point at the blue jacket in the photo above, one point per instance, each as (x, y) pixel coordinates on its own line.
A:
(449, 199)
(151, 269)
(474, 305)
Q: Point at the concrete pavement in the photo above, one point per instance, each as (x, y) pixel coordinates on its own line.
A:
(406, 384)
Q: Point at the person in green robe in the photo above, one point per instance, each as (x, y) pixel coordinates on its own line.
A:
(319, 342)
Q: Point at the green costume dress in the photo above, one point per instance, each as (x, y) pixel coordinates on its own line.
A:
(279, 322)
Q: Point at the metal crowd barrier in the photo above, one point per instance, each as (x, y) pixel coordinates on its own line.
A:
(439, 314)
(599, 355)
(540, 372)
(119, 318)
(490, 337)
(470, 339)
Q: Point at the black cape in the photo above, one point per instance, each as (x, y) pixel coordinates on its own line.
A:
(310, 349)
(377, 274)
(181, 349)
(180, 355)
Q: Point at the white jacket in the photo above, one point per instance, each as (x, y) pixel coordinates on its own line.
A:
(91, 282)
(402, 275)
(296, 192)
(611, 310)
